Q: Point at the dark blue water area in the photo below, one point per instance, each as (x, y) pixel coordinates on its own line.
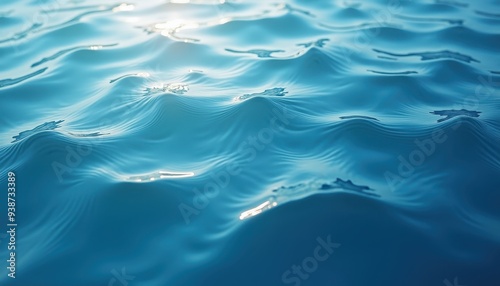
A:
(204, 142)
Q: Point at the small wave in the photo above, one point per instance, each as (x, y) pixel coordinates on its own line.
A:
(453, 3)
(449, 114)
(93, 134)
(301, 190)
(358, 117)
(417, 19)
(159, 175)
(47, 126)
(318, 43)
(259, 53)
(488, 14)
(426, 56)
(63, 52)
(277, 91)
(394, 73)
(176, 88)
(13, 81)
(23, 34)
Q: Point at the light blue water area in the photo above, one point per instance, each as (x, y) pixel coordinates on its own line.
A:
(204, 142)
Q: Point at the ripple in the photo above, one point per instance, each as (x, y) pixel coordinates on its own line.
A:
(312, 186)
(292, 9)
(260, 53)
(159, 175)
(5, 13)
(430, 20)
(13, 81)
(42, 127)
(425, 56)
(319, 43)
(141, 74)
(258, 210)
(387, 58)
(358, 117)
(63, 52)
(83, 135)
(96, 10)
(23, 34)
(277, 91)
(453, 3)
(393, 73)
(355, 28)
(449, 114)
(346, 185)
(306, 189)
(487, 14)
(176, 88)
(173, 27)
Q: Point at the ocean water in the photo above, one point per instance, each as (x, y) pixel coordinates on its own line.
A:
(305, 142)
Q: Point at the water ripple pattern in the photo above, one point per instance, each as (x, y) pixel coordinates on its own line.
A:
(238, 142)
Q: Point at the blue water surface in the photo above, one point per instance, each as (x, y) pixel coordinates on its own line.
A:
(204, 142)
